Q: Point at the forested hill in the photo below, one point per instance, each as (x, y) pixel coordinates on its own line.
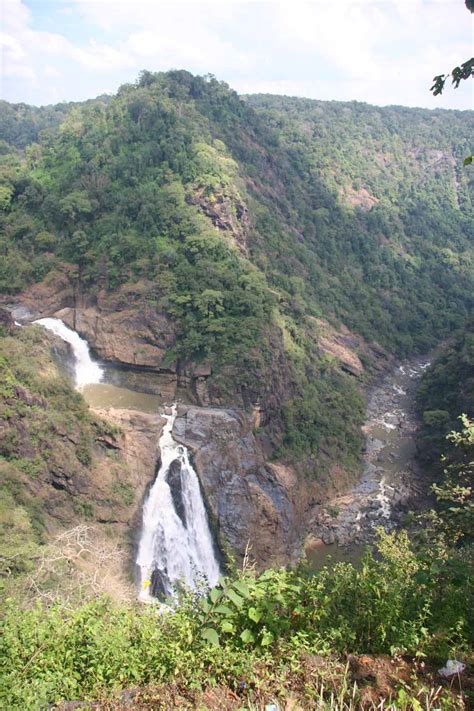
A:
(357, 215)
(21, 124)
(378, 194)
(387, 200)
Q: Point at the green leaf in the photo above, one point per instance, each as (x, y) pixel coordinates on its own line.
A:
(215, 594)
(204, 605)
(224, 610)
(227, 626)
(210, 636)
(242, 588)
(267, 639)
(254, 614)
(236, 599)
(247, 637)
(468, 160)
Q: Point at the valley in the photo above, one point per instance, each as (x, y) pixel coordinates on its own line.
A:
(236, 339)
(391, 482)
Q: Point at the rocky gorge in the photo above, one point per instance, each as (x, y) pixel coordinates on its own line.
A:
(392, 482)
(255, 505)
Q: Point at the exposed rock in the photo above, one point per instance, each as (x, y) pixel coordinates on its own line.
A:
(202, 370)
(173, 478)
(127, 335)
(349, 361)
(137, 445)
(329, 538)
(250, 500)
(313, 544)
(123, 326)
(360, 198)
(202, 392)
(228, 213)
(347, 348)
(56, 292)
(158, 584)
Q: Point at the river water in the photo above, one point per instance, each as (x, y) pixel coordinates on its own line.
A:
(91, 378)
(390, 482)
(107, 396)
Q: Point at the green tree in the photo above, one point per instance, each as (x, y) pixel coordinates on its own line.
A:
(455, 494)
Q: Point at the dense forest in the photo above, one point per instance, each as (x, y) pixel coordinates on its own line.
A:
(138, 166)
(297, 248)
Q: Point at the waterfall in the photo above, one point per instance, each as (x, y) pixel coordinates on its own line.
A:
(86, 370)
(176, 542)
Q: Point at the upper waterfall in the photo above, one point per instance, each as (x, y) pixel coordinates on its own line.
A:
(176, 542)
(86, 370)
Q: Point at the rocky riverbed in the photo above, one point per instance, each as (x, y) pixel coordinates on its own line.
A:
(391, 482)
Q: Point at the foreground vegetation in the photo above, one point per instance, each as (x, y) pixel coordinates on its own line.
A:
(251, 632)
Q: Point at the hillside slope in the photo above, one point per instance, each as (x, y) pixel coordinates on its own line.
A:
(72, 482)
(446, 392)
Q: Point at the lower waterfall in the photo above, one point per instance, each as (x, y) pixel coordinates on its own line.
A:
(176, 542)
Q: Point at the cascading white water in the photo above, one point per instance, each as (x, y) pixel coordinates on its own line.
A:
(383, 499)
(176, 542)
(86, 370)
(175, 546)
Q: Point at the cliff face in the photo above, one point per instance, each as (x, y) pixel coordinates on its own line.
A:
(251, 501)
(122, 326)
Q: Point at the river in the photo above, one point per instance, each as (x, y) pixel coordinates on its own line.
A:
(391, 481)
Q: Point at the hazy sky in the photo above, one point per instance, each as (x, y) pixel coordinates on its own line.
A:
(383, 52)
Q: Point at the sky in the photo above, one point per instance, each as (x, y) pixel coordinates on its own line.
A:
(379, 51)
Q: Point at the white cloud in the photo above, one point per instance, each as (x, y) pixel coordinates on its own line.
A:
(344, 34)
(381, 51)
(52, 72)
(11, 48)
(101, 57)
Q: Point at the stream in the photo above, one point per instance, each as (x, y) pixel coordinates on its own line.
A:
(390, 481)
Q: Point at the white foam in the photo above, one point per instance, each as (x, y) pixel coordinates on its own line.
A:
(86, 370)
(182, 551)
